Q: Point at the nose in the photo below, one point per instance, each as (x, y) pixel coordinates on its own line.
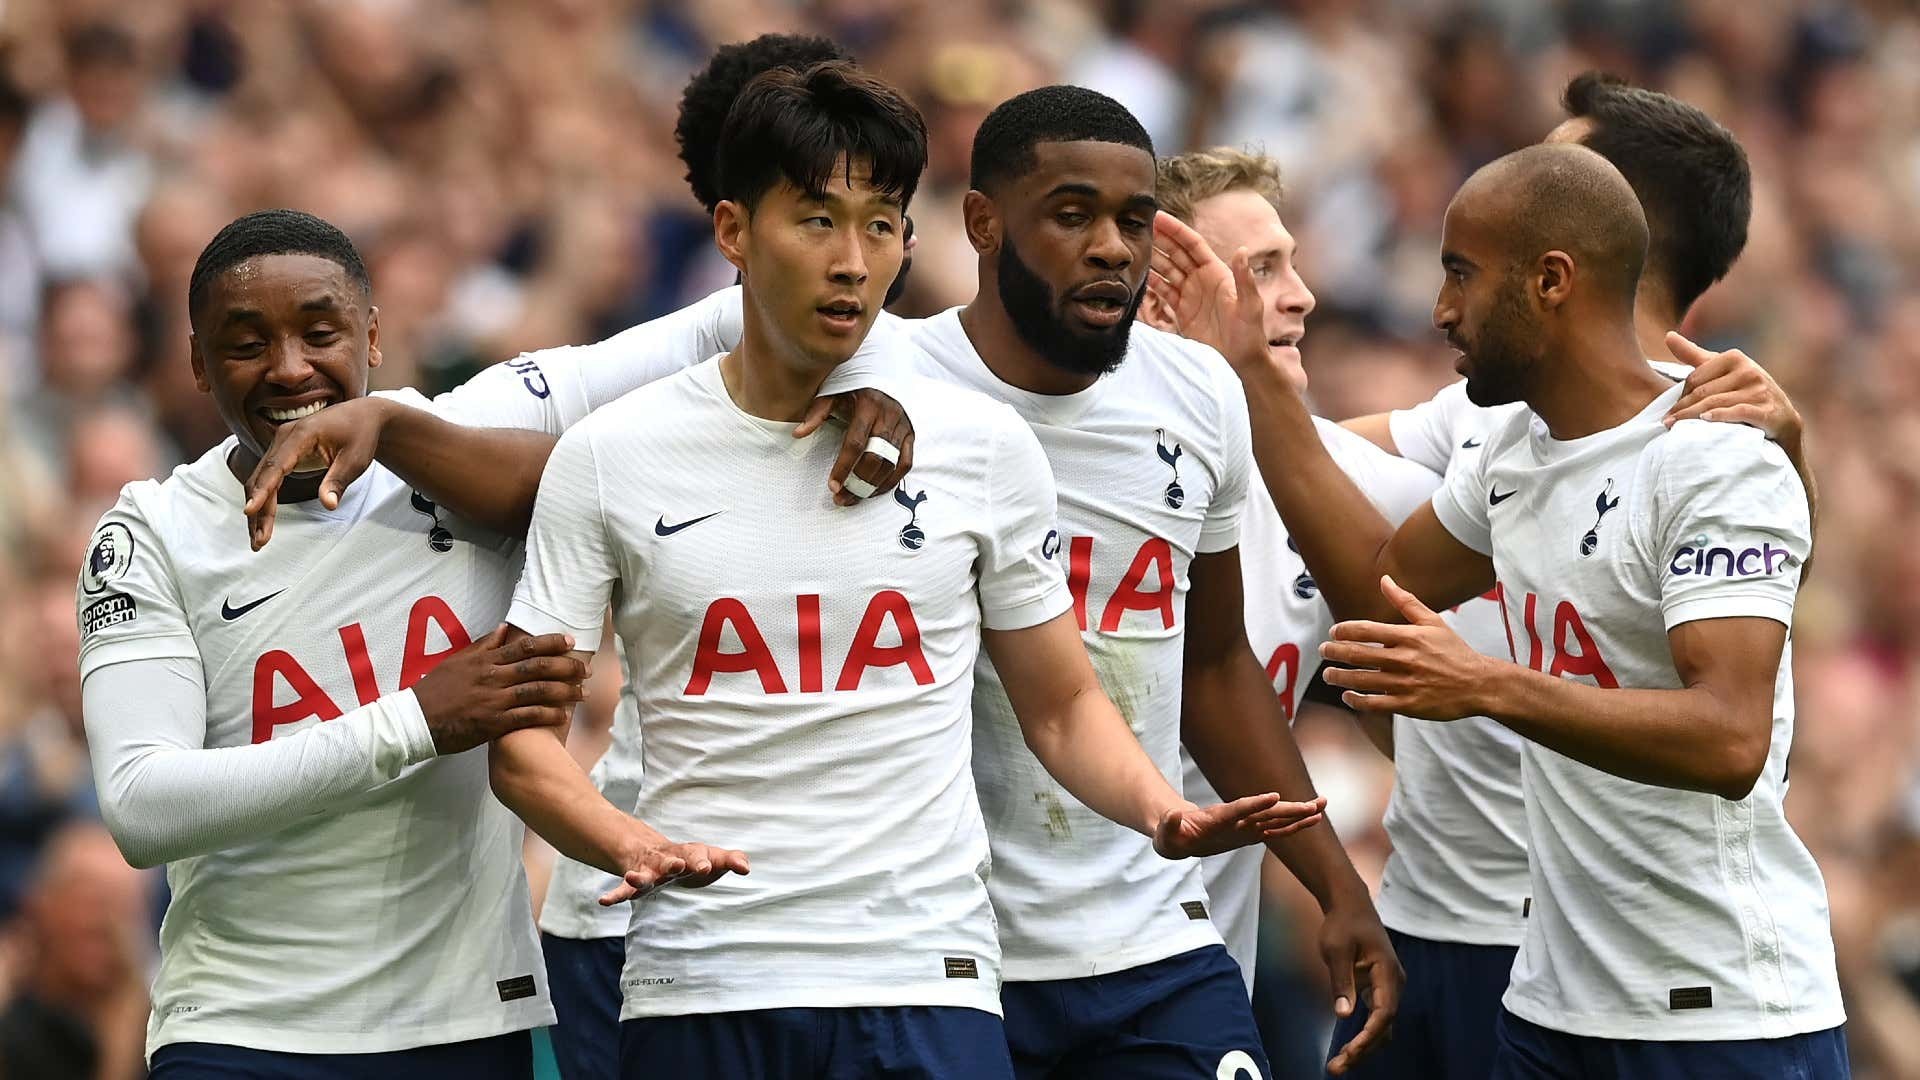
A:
(287, 363)
(1294, 298)
(1446, 315)
(849, 259)
(1107, 248)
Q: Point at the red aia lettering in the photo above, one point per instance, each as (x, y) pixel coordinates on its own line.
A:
(1285, 658)
(309, 700)
(1575, 653)
(865, 651)
(1154, 559)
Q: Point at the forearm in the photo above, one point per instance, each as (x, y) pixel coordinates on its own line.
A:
(1340, 534)
(533, 775)
(1086, 745)
(486, 475)
(165, 801)
(1376, 428)
(1687, 739)
(1232, 725)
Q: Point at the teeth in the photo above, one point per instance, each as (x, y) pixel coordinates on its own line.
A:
(283, 415)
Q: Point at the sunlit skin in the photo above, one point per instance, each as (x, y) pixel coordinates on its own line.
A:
(815, 271)
(1081, 221)
(278, 333)
(1244, 219)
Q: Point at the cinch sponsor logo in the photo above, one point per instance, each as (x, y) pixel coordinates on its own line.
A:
(1726, 562)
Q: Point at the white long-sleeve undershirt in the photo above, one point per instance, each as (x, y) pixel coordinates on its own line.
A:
(165, 795)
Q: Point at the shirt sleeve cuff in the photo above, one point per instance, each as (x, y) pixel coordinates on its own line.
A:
(1028, 613)
(1456, 521)
(152, 647)
(1731, 606)
(1218, 536)
(536, 622)
(403, 711)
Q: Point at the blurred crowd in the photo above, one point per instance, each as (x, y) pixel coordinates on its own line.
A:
(508, 168)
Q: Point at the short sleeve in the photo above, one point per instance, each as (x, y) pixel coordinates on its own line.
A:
(1730, 515)
(1221, 528)
(1461, 503)
(127, 602)
(570, 564)
(1021, 580)
(1394, 485)
(1428, 433)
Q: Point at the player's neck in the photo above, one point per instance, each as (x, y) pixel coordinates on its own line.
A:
(767, 378)
(1652, 318)
(294, 489)
(1600, 380)
(991, 332)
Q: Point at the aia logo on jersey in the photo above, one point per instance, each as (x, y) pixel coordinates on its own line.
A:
(438, 537)
(1591, 540)
(888, 615)
(1176, 495)
(911, 535)
(277, 673)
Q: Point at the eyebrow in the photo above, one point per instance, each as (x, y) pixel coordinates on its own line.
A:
(1451, 261)
(239, 315)
(1088, 191)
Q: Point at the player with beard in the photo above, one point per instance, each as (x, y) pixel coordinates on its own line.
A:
(1692, 179)
(1113, 966)
(1647, 574)
(1455, 914)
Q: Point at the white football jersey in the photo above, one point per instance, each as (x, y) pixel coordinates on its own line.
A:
(401, 918)
(1657, 913)
(802, 672)
(1152, 464)
(1287, 619)
(551, 390)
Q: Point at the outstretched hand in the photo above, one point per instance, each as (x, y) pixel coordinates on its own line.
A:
(341, 438)
(1190, 831)
(685, 866)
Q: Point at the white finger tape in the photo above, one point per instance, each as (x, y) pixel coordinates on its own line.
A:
(883, 450)
(859, 487)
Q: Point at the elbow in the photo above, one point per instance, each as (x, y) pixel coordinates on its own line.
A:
(1741, 763)
(141, 850)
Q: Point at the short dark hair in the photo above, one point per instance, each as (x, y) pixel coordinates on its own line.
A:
(798, 125)
(273, 232)
(710, 95)
(1003, 147)
(101, 44)
(1689, 172)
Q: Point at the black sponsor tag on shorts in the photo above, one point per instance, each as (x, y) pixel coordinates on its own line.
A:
(1526, 907)
(962, 967)
(516, 988)
(1690, 997)
(1195, 910)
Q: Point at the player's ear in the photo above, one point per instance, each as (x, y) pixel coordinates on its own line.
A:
(199, 363)
(1553, 277)
(373, 337)
(730, 232)
(982, 220)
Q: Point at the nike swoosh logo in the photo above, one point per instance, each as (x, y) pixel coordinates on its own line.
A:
(661, 528)
(1470, 444)
(1495, 498)
(230, 613)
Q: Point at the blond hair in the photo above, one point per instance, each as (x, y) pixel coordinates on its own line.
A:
(1185, 180)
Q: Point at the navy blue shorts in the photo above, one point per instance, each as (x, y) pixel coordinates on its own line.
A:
(1531, 1052)
(1449, 1013)
(502, 1057)
(908, 1042)
(583, 977)
(1187, 1015)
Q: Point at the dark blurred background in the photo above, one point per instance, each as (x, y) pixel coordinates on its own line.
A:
(508, 169)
